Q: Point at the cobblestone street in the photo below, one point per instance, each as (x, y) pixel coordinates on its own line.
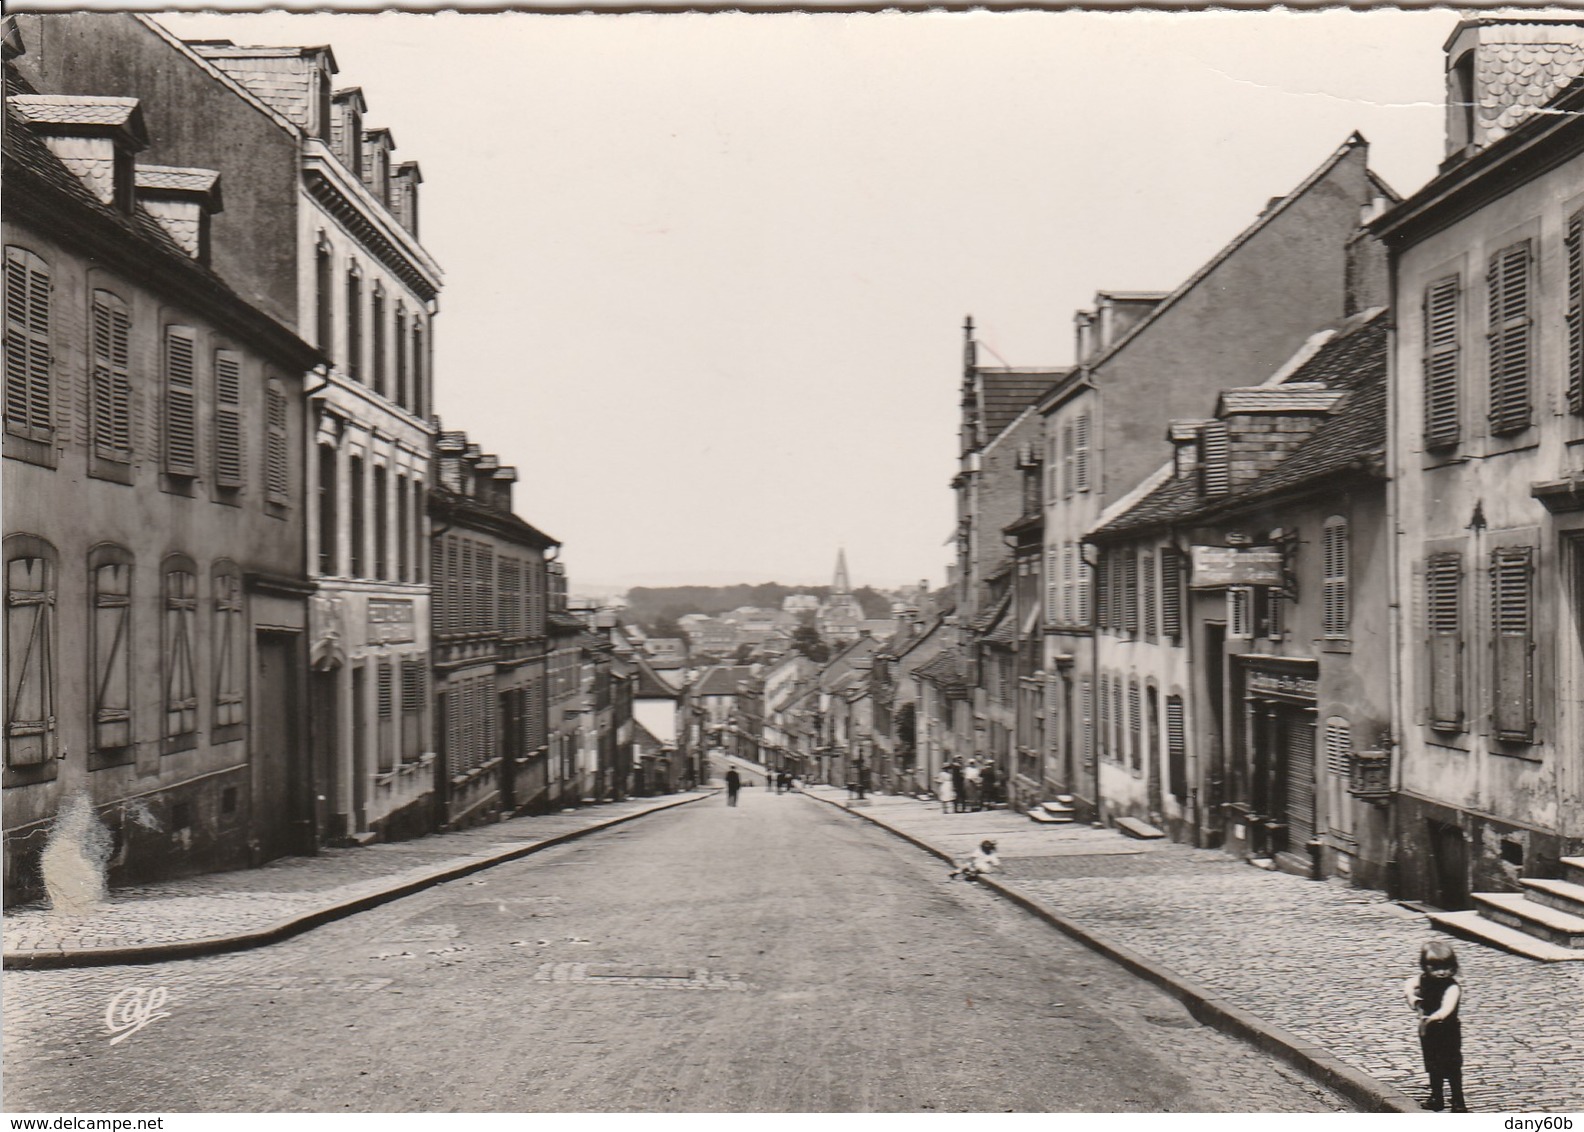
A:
(777, 956)
(1323, 960)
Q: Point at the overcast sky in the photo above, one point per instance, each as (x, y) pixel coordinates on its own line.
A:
(706, 275)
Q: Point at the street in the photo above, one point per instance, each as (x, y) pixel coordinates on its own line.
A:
(777, 956)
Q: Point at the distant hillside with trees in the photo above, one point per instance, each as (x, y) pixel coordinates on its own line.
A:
(659, 607)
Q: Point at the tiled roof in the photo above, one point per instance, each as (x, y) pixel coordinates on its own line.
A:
(986, 621)
(78, 110)
(468, 507)
(565, 622)
(1006, 393)
(177, 179)
(650, 686)
(722, 680)
(1514, 78)
(1289, 397)
(1351, 439)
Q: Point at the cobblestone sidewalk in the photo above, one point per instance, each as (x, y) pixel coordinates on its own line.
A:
(223, 905)
(1321, 959)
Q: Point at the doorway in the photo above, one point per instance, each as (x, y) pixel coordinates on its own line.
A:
(282, 822)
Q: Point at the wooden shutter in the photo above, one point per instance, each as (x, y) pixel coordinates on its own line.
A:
(488, 613)
(1081, 452)
(228, 442)
(112, 646)
(354, 325)
(1300, 749)
(277, 461)
(181, 402)
(1103, 590)
(1444, 629)
(30, 660)
(1214, 459)
(1130, 594)
(1103, 724)
(1068, 454)
(28, 409)
(1054, 587)
(412, 698)
(1239, 613)
(181, 660)
(1334, 585)
(1086, 702)
(1146, 570)
(1512, 608)
(385, 703)
(1171, 593)
(1082, 585)
(1338, 747)
(1176, 748)
(1135, 727)
(1442, 413)
(1510, 348)
(111, 415)
(230, 646)
(454, 597)
(1575, 313)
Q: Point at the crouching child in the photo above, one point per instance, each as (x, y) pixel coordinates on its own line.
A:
(984, 860)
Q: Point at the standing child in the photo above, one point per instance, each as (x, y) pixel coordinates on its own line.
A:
(1434, 995)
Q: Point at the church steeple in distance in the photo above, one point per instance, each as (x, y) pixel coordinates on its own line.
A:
(840, 584)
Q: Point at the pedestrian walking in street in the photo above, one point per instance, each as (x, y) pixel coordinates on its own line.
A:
(733, 785)
(974, 798)
(984, 860)
(1434, 995)
(959, 786)
(988, 784)
(944, 789)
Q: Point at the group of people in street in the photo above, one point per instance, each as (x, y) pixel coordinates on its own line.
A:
(962, 787)
(782, 782)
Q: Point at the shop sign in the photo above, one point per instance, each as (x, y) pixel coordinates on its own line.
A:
(1215, 567)
(390, 621)
(1286, 685)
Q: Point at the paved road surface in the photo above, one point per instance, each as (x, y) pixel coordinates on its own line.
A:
(779, 956)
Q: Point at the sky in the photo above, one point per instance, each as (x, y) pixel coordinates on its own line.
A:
(705, 275)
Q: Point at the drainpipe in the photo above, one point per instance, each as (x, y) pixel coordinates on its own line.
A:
(1394, 606)
(1094, 668)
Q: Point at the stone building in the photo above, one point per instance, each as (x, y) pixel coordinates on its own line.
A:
(155, 608)
(490, 606)
(1487, 396)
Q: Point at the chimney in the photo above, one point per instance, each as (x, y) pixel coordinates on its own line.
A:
(377, 146)
(1366, 282)
(449, 447)
(504, 478)
(404, 195)
(1499, 71)
(182, 200)
(93, 136)
(1184, 437)
(1083, 336)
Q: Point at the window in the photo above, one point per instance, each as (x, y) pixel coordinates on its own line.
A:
(385, 698)
(1334, 586)
(487, 613)
(1146, 571)
(1444, 628)
(1069, 606)
(1442, 414)
(359, 494)
(377, 330)
(403, 543)
(228, 442)
(1103, 723)
(30, 651)
(324, 272)
(29, 411)
(439, 602)
(1081, 452)
(1103, 590)
(1176, 749)
(1214, 459)
(1509, 330)
(1240, 613)
(1575, 313)
(1268, 610)
(181, 402)
(1130, 594)
(1338, 744)
(1135, 727)
(1171, 593)
(420, 393)
(1067, 459)
(453, 585)
(111, 393)
(469, 589)
(400, 341)
(412, 672)
(418, 530)
(354, 302)
(381, 530)
(1086, 703)
(230, 647)
(277, 445)
(110, 612)
(328, 497)
(1056, 585)
(180, 659)
(1512, 609)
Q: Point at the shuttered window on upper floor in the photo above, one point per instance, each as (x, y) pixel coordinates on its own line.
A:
(1334, 583)
(1443, 597)
(1513, 642)
(1146, 571)
(1575, 313)
(29, 408)
(1171, 593)
(1081, 475)
(1511, 335)
(1442, 380)
(110, 395)
(229, 445)
(1215, 459)
(1338, 743)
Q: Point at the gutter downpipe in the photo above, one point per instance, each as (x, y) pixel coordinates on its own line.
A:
(1394, 608)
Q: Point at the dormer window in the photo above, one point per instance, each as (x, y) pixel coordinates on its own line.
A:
(95, 137)
(1460, 103)
(346, 135)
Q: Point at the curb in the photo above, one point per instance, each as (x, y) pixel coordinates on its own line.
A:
(1324, 1067)
(40, 960)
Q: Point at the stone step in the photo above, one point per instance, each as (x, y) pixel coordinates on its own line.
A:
(1142, 830)
(1573, 869)
(1044, 817)
(1562, 895)
(1473, 926)
(1066, 799)
(1515, 910)
(1058, 807)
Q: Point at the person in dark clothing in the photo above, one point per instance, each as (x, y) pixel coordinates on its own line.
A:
(988, 784)
(733, 785)
(1435, 995)
(960, 786)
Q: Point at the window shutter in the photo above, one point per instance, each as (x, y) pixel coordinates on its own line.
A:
(1575, 313)
(1171, 593)
(181, 662)
(1338, 746)
(1176, 747)
(229, 654)
(1104, 720)
(228, 442)
(1214, 469)
(277, 471)
(30, 660)
(1068, 456)
(1069, 566)
(486, 572)
(1053, 587)
(1086, 701)
(1146, 571)
(1082, 585)
(1130, 594)
(111, 416)
(181, 402)
(354, 325)
(1444, 627)
(1442, 416)
(1135, 727)
(1512, 607)
(1334, 587)
(1508, 280)
(386, 689)
(1081, 452)
(1239, 613)
(454, 597)
(112, 607)
(28, 409)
